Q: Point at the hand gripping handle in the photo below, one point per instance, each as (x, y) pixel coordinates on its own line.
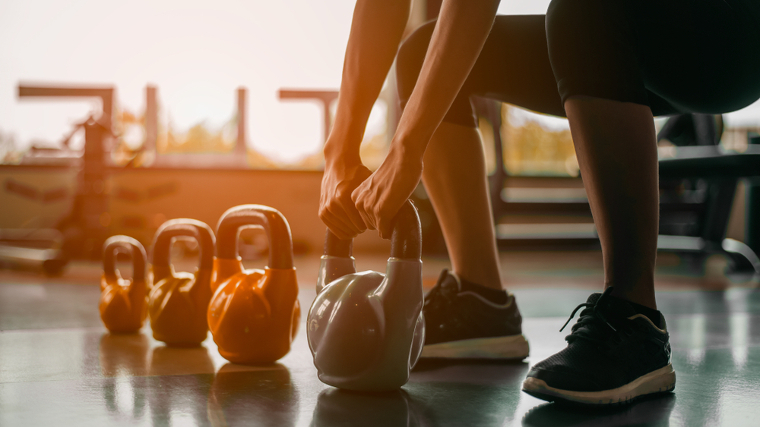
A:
(271, 220)
(406, 240)
(125, 245)
(186, 227)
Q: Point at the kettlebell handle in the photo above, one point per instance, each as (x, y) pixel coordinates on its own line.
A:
(183, 227)
(337, 247)
(406, 240)
(273, 223)
(125, 245)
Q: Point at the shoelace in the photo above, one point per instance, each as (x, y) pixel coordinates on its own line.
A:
(587, 326)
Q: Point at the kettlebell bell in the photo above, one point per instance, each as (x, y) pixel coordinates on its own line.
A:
(366, 330)
(177, 302)
(123, 306)
(254, 314)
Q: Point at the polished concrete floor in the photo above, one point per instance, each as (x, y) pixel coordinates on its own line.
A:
(59, 366)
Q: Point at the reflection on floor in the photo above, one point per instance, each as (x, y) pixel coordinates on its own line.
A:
(58, 366)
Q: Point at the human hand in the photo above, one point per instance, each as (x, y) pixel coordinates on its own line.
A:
(336, 209)
(380, 196)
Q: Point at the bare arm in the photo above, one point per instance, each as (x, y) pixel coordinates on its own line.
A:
(376, 32)
(460, 33)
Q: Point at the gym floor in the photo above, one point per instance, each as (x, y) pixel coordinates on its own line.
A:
(59, 365)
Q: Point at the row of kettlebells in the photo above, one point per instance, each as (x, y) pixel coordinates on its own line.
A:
(365, 330)
(253, 315)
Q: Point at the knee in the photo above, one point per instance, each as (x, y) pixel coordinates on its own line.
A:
(410, 57)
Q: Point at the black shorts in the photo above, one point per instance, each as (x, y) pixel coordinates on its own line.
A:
(675, 56)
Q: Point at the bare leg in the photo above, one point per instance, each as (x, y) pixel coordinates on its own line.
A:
(617, 152)
(455, 179)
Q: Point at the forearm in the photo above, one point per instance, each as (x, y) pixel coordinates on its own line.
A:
(376, 32)
(461, 31)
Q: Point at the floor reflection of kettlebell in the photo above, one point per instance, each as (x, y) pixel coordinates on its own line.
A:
(123, 306)
(254, 314)
(253, 396)
(337, 407)
(124, 365)
(366, 329)
(178, 302)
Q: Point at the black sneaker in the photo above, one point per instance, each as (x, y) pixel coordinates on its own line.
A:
(464, 325)
(613, 356)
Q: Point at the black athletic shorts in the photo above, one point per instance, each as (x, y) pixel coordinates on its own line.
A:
(675, 56)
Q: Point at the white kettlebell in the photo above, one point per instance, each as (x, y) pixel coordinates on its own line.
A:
(366, 330)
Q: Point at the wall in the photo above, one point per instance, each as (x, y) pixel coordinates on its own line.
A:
(141, 199)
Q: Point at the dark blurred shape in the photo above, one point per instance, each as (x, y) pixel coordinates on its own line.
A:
(692, 129)
(652, 411)
(21, 189)
(697, 190)
(698, 187)
(336, 407)
(82, 228)
(33, 250)
(752, 212)
(262, 396)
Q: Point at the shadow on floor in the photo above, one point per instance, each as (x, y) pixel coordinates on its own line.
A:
(652, 411)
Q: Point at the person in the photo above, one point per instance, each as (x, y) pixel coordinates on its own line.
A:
(609, 67)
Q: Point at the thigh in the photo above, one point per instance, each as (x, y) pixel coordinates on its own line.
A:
(700, 56)
(514, 66)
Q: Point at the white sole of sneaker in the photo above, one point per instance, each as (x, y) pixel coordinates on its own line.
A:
(509, 347)
(661, 380)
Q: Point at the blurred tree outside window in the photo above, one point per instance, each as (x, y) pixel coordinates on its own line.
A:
(537, 144)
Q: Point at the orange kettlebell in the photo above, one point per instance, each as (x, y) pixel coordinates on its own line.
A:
(122, 301)
(254, 314)
(177, 302)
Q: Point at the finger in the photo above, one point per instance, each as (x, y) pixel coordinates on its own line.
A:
(339, 215)
(366, 217)
(334, 208)
(385, 228)
(338, 230)
(356, 219)
(349, 217)
(334, 223)
(356, 193)
(357, 197)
